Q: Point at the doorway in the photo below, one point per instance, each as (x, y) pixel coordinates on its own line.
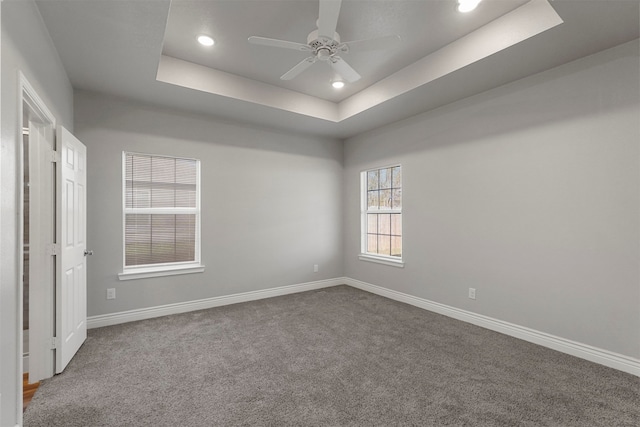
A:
(38, 234)
(52, 242)
(29, 387)
(25, 245)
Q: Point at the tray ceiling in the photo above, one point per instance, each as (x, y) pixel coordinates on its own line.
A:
(146, 50)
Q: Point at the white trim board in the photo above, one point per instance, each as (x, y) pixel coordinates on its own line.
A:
(202, 304)
(573, 348)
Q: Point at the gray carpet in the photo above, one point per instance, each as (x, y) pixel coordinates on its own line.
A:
(333, 357)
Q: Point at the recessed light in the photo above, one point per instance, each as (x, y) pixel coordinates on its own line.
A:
(205, 40)
(338, 84)
(467, 5)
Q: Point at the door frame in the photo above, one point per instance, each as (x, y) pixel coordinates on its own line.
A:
(27, 94)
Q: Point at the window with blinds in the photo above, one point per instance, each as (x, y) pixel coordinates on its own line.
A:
(161, 210)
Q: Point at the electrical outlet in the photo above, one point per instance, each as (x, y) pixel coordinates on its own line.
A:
(472, 293)
(315, 268)
(111, 293)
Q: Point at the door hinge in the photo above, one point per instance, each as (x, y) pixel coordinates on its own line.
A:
(53, 249)
(54, 343)
(55, 156)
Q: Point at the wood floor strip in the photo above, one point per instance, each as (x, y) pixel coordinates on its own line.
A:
(28, 390)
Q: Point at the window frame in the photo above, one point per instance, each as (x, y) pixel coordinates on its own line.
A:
(161, 269)
(374, 257)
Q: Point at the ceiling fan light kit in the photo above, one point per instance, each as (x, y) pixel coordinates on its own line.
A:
(465, 6)
(205, 40)
(325, 45)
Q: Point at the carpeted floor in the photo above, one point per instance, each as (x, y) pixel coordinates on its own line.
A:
(333, 357)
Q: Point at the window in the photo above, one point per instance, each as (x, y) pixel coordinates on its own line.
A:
(161, 216)
(382, 215)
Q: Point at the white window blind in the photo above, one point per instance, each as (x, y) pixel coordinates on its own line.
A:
(161, 210)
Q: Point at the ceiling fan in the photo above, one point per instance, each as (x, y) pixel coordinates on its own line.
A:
(324, 44)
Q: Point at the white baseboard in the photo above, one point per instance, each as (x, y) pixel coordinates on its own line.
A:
(184, 307)
(583, 351)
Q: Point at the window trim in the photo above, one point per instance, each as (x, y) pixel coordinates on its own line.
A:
(368, 256)
(164, 269)
(382, 259)
(160, 270)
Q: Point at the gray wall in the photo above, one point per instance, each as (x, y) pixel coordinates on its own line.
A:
(270, 202)
(26, 47)
(528, 193)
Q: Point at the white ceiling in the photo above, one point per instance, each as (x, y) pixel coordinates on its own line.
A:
(424, 27)
(146, 50)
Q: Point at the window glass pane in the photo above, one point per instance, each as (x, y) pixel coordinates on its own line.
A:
(185, 238)
(396, 246)
(138, 239)
(162, 195)
(186, 183)
(384, 245)
(384, 224)
(372, 223)
(396, 198)
(185, 196)
(396, 224)
(372, 180)
(138, 176)
(139, 198)
(163, 169)
(169, 188)
(385, 178)
(385, 199)
(372, 199)
(160, 182)
(372, 243)
(141, 169)
(163, 238)
(128, 183)
(186, 171)
(159, 238)
(396, 177)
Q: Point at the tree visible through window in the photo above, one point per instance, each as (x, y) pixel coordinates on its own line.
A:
(382, 212)
(161, 210)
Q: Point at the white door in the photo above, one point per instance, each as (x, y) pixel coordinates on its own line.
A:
(41, 238)
(71, 281)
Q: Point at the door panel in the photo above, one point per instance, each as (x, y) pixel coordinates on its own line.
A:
(41, 237)
(71, 286)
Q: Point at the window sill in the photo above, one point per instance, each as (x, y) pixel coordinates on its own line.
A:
(144, 273)
(380, 260)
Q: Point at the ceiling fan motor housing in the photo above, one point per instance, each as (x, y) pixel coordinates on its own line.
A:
(323, 47)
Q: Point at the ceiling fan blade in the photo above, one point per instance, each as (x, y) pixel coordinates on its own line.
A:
(300, 67)
(377, 43)
(328, 17)
(279, 43)
(345, 71)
